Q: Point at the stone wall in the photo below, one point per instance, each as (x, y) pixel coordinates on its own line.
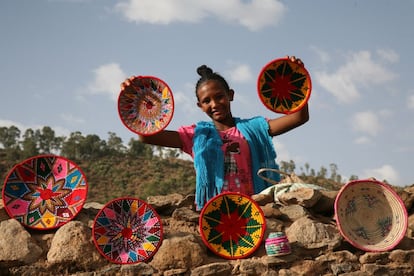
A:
(306, 216)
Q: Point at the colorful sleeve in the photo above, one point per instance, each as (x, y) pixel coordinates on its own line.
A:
(186, 135)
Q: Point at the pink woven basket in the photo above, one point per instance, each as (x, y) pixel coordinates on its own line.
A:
(370, 215)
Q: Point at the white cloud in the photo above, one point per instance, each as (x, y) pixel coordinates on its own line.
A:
(186, 101)
(366, 122)
(253, 14)
(362, 140)
(161, 11)
(240, 73)
(339, 85)
(386, 113)
(70, 1)
(324, 56)
(410, 102)
(107, 80)
(283, 153)
(388, 55)
(360, 69)
(385, 172)
(59, 131)
(8, 123)
(70, 118)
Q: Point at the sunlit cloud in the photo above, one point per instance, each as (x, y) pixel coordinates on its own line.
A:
(360, 70)
(254, 14)
(283, 153)
(240, 73)
(71, 119)
(385, 172)
(8, 123)
(70, 1)
(186, 100)
(107, 80)
(388, 55)
(59, 131)
(366, 122)
(369, 124)
(410, 102)
(363, 140)
(323, 56)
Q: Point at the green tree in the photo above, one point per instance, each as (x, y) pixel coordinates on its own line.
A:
(47, 140)
(93, 147)
(322, 172)
(288, 167)
(353, 177)
(334, 170)
(115, 145)
(307, 168)
(137, 148)
(29, 144)
(71, 147)
(9, 137)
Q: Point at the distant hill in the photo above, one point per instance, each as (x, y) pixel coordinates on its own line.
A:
(111, 177)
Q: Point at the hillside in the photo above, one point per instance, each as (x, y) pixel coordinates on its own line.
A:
(111, 177)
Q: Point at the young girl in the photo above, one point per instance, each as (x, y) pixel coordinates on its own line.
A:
(228, 151)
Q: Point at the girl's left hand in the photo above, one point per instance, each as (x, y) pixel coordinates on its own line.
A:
(295, 60)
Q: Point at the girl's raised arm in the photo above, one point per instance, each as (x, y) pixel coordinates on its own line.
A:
(165, 138)
(287, 122)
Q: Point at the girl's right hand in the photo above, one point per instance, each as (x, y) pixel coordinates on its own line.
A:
(127, 82)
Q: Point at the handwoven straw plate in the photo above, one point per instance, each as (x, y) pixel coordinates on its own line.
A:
(284, 86)
(146, 107)
(45, 191)
(232, 225)
(127, 231)
(370, 215)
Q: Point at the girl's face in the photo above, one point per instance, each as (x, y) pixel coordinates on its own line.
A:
(215, 100)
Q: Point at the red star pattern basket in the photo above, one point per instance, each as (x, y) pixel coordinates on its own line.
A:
(232, 225)
(284, 86)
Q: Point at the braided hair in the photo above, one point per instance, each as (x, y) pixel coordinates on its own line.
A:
(207, 74)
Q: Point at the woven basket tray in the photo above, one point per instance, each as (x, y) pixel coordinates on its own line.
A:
(370, 215)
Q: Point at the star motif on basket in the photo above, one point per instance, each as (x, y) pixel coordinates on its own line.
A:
(350, 207)
(147, 107)
(47, 194)
(283, 87)
(371, 200)
(385, 224)
(127, 231)
(45, 191)
(232, 226)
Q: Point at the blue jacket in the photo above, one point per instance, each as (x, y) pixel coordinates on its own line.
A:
(209, 158)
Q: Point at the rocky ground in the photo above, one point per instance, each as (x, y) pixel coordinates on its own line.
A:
(305, 215)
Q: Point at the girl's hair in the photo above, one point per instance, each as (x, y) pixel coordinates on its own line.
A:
(206, 74)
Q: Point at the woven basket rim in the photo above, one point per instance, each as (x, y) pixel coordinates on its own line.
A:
(358, 202)
(234, 196)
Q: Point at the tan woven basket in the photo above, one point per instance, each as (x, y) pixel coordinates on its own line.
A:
(370, 215)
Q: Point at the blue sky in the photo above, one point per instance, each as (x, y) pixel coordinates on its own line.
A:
(62, 61)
